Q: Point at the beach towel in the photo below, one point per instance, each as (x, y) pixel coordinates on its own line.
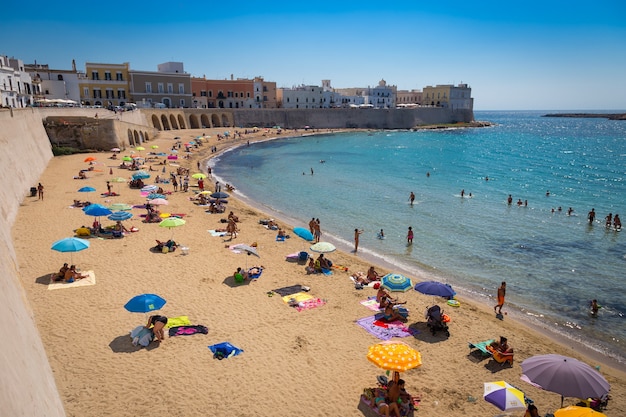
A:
(188, 330)
(372, 304)
(255, 276)
(385, 331)
(297, 297)
(309, 304)
(178, 321)
(89, 280)
(326, 271)
(292, 289)
(224, 350)
(216, 233)
(340, 267)
(280, 238)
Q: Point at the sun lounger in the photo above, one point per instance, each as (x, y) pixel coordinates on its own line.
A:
(482, 346)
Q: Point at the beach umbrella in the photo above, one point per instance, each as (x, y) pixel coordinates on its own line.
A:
(127, 158)
(198, 176)
(566, 376)
(323, 247)
(86, 190)
(118, 180)
(120, 206)
(219, 195)
(172, 157)
(250, 250)
(165, 215)
(96, 210)
(435, 288)
(120, 215)
(159, 202)
(115, 149)
(155, 146)
(504, 396)
(149, 188)
(154, 196)
(171, 223)
(90, 158)
(303, 233)
(140, 148)
(396, 282)
(394, 356)
(144, 303)
(141, 175)
(70, 244)
(575, 411)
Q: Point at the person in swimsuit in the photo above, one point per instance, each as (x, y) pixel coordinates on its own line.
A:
(617, 223)
(409, 236)
(412, 197)
(501, 293)
(157, 323)
(357, 234)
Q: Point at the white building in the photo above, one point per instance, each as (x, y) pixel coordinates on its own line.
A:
(382, 96)
(301, 97)
(16, 89)
(52, 84)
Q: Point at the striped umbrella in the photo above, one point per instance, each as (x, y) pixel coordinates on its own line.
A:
(120, 215)
(396, 282)
(504, 396)
(149, 188)
(154, 196)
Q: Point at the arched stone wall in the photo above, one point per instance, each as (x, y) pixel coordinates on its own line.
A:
(156, 123)
(225, 121)
(181, 122)
(206, 122)
(193, 121)
(215, 120)
(145, 135)
(173, 122)
(141, 138)
(136, 137)
(166, 124)
(131, 140)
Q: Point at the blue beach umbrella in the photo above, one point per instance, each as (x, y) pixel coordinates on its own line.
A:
(154, 196)
(144, 303)
(219, 195)
(97, 210)
(435, 288)
(86, 190)
(396, 282)
(149, 188)
(70, 244)
(120, 215)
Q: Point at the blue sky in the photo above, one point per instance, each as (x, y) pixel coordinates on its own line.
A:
(548, 55)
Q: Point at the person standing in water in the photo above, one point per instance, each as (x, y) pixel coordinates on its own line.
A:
(357, 233)
(409, 236)
(591, 215)
(412, 197)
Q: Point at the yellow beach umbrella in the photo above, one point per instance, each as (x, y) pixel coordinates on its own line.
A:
(394, 356)
(574, 411)
(140, 148)
(155, 146)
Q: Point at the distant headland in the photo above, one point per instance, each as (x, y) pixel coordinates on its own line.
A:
(610, 116)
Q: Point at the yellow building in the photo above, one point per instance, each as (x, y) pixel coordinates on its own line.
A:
(448, 96)
(104, 84)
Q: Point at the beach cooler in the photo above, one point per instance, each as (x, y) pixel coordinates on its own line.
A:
(303, 256)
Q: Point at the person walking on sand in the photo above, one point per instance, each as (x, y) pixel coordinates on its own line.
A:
(409, 236)
(40, 191)
(317, 231)
(412, 197)
(357, 233)
(501, 293)
(312, 225)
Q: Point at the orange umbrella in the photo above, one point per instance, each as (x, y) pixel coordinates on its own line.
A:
(394, 356)
(574, 411)
(89, 159)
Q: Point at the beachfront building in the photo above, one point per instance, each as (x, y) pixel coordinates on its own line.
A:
(104, 85)
(408, 98)
(349, 97)
(16, 88)
(264, 94)
(300, 97)
(54, 85)
(168, 87)
(223, 94)
(382, 96)
(449, 96)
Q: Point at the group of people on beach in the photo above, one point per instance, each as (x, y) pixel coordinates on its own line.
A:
(314, 228)
(609, 220)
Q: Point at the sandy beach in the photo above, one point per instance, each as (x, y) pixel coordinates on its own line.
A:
(311, 362)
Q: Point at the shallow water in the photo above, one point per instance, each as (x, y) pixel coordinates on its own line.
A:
(554, 264)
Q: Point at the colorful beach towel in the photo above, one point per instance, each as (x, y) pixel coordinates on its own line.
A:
(385, 331)
(178, 321)
(90, 279)
(224, 350)
(372, 304)
(309, 304)
(217, 234)
(297, 297)
(188, 330)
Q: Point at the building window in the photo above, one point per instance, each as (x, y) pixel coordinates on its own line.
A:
(202, 93)
(119, 76)
(265, 89)
(60, 77)
(148, 87)
(210, 93)
(160, 88)
(95, 75)
(109, 93)
(170, 88)
(181, 88)
(121, 94)
(85, 91)
(107, 75)
(264, 98)
(97, 93)
(182, 102)
(230, 94)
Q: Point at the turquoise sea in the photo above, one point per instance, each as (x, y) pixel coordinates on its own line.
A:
(553, 263)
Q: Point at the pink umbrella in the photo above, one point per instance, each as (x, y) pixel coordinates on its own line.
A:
(159, 202)
(172, 157)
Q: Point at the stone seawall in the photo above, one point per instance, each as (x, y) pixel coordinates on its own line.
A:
(26, 381)
(350, 118)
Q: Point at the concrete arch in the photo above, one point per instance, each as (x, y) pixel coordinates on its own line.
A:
(146, 137)
(193, 122)
(131, 140)
(136, 137)
(166, 124)
(225, 121)
(156, 123)
(173, 122)
(181, 121)
(215, 120)
(141, 139)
